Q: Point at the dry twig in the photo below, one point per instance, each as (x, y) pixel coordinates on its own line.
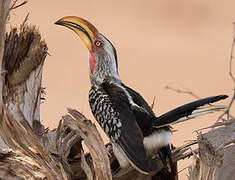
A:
(183, 91)
(152, 105)
(25, 20)
(227, 111)
(14, 6)
(231, 55)
(217, 124)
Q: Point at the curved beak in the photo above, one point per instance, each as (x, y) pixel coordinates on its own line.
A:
(85, 30)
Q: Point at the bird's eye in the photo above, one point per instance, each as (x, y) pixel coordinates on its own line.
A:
(98, 43)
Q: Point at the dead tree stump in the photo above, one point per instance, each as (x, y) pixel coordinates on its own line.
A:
(216, 154)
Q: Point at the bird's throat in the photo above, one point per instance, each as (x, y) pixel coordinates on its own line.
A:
(92, 62)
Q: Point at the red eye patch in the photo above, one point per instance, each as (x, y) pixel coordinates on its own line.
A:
(98, 44)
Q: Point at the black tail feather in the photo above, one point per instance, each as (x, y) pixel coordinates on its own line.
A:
(185, 110)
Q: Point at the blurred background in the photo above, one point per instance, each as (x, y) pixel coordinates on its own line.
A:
(182, 44)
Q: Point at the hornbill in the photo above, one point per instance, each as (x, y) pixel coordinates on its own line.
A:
(123, 114)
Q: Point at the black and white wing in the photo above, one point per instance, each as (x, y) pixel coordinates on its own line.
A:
(121, 125)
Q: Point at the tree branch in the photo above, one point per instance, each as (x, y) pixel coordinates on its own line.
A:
(183, 92)
(14, 6)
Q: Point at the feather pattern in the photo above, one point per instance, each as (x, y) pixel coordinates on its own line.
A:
(129, 141)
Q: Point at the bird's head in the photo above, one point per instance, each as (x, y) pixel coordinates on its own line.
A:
(102, 54)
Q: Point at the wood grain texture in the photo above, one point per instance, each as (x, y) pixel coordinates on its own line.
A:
(4, 11)
(216, 154)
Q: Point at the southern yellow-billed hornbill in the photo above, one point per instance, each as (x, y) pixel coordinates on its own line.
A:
(123, 114)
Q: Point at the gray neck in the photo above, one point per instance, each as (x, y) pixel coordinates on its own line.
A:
(106, 64)
(105, 69)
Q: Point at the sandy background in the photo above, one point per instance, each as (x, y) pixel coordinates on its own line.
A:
(184, 44)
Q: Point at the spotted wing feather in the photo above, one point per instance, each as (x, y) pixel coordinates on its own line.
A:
(129, 136)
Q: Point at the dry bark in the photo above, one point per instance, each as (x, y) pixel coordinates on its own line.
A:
(24, 54)
(4, 11)
(216, 154)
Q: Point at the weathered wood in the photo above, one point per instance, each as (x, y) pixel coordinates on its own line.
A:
(93, 141)
(4, 10)
(216, 154)
(24, 55)
(23, 59)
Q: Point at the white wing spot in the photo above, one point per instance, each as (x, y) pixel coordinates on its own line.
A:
(157, 140)
(119, 124)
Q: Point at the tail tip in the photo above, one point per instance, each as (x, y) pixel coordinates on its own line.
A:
(224, 96)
